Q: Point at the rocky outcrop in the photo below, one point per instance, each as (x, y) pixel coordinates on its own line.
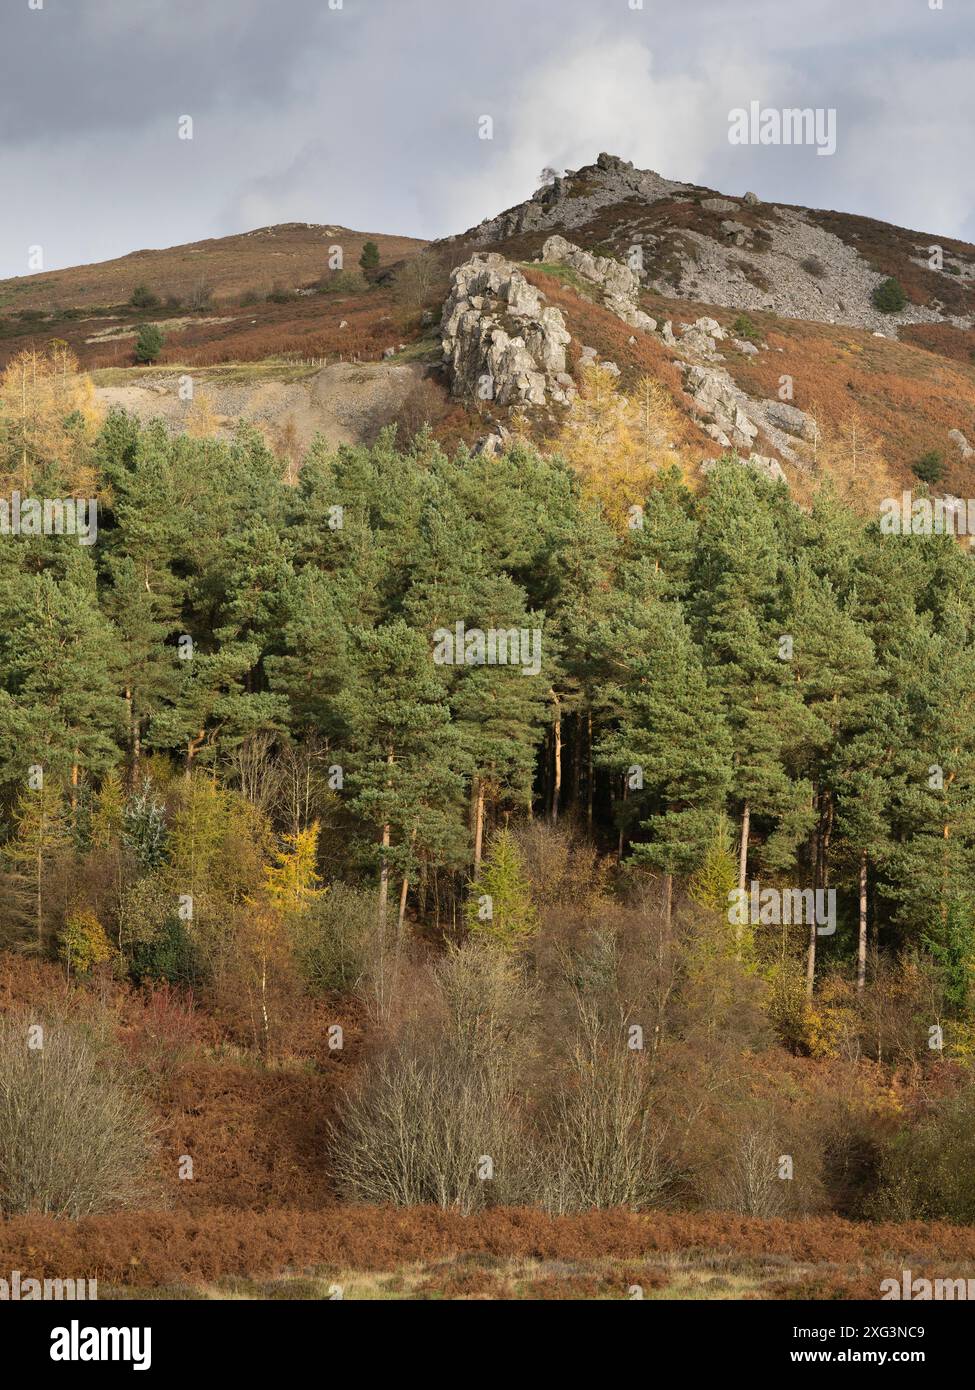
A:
(790, 419)
(742, 253)
(501, 342)
(576, 197)
(720, 403)
(619, 284)
(961, 443)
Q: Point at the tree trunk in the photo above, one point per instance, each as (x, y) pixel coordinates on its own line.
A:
(620, 846)
(862, 941)
(40, 875)
(556, 760)
(668, 901)
(404, 889)
(265, 1020)
(384, 866)
(384, 878)
(811, 957)
(746, 816)
(478, 823)
(589, 785)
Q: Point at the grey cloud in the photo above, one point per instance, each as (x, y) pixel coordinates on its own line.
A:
(367, 116)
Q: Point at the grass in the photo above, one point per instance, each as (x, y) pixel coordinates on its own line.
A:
(702, 1276)
(225, 373)
(565, 275)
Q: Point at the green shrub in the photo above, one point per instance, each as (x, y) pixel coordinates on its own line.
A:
(149, 343)
(929, 467)
(342, 282)
(169, 957)
(744, 327)
(889, 297)
(928, 1172)
(332, 941)
(143, 298)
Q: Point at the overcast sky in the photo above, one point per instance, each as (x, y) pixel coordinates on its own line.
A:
(367, 115)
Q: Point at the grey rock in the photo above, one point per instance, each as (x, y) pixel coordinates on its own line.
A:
(790, 418)
(496, 328)
(958, 439)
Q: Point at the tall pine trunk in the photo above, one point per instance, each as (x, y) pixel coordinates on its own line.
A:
(404, 890)
(746, 816)
(862, 939)
(556, 760)
(478, 822)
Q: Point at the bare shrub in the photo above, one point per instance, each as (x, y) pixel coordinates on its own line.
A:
(602, 1143)
(434, 1120)
(755, 1186)
(424, 404)
(562, 866)
(75, 1139)
(423, 279)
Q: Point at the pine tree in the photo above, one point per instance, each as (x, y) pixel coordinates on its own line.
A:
(499, 907)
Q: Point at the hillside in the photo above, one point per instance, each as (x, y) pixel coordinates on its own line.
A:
(271, 318)
(534, 869)
(211, 297)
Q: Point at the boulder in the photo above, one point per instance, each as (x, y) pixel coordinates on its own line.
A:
(790, 418)
(958, 439)
(620, 286)
(499, 335)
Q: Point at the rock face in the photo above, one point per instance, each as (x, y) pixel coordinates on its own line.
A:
(500, 341)
(620, 285)
(719, 401)
(790, 418)
(575, 198)
(962, 444)
(741, 253)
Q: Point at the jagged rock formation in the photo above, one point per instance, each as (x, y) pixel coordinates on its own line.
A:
(737, 252)
(721, 404)
(500, 341)
(620, 285)
(576, 197)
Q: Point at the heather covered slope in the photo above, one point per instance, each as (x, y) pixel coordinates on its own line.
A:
(739, 252)
(269, 329)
